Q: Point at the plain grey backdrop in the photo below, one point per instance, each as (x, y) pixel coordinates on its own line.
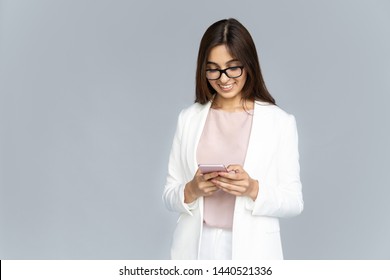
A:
(89, 96)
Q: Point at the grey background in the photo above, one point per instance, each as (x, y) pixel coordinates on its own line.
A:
(89, 96)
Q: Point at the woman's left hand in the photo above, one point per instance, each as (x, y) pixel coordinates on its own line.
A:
(237, 182)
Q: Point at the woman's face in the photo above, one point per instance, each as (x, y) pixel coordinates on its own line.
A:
(227, 88)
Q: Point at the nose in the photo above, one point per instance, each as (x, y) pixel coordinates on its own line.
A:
(224, 78)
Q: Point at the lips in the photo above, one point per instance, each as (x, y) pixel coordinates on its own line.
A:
(226, 87)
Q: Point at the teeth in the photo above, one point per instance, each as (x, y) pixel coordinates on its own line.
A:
(226, 87)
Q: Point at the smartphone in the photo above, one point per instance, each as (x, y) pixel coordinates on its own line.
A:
(208, 168)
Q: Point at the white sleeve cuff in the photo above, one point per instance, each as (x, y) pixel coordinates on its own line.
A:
(249, 203)
(193, 205)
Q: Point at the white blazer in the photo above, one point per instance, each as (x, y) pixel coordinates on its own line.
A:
(272, 158)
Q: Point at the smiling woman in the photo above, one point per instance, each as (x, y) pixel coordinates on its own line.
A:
(234, 122)
(229, 82)
(229, 41)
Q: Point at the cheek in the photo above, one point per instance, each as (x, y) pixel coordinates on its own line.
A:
(213, 84)
(244, 77)
(243, 81)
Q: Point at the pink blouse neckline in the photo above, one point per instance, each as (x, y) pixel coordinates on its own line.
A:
(227, 112)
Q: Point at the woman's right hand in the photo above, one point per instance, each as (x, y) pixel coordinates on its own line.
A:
(199, 186)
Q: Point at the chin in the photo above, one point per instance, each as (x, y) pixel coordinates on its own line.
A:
(229, 95)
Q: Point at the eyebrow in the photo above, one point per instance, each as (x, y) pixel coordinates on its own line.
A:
(216, 64)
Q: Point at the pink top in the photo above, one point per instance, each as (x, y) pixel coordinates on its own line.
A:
(224, 140)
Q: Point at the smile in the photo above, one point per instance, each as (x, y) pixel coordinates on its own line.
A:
(226, 87)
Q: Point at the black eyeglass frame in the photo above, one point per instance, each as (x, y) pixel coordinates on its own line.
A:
(223, 71)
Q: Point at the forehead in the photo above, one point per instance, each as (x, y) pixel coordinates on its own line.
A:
(220, 55)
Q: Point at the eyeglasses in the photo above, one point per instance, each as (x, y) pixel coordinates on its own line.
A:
(230, 72)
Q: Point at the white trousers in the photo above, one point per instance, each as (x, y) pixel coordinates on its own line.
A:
(216, 244)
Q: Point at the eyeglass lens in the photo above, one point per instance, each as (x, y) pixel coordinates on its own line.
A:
(231, 72)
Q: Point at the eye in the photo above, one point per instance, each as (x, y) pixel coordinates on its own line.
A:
(212, 70)
(234, 70)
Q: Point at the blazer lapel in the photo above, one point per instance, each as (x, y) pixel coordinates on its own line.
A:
(196, 126)
(261, 141)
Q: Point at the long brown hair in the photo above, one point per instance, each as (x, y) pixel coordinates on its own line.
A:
(239, 42)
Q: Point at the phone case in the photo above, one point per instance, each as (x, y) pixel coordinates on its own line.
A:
(208, 168)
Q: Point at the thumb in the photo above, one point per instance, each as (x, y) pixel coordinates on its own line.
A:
(235, 168)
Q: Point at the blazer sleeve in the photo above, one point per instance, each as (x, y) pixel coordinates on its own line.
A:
(284, 197)
(173, 195)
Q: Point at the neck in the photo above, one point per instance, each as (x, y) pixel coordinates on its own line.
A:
(232, 105)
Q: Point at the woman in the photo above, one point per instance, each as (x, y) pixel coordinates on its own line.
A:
(232, 214)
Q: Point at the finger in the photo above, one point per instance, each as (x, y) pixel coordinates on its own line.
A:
(206, 184)
(211, 175)
(229, 186)
(235, 193)
(236, 168)
(231, 175)
(209, 191)
(212, 189)
(232, 189)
